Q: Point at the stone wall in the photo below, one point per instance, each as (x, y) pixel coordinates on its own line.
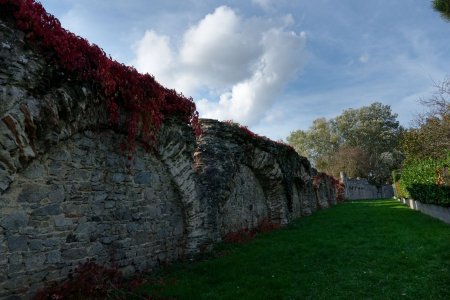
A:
(68, 194)
(360, 188)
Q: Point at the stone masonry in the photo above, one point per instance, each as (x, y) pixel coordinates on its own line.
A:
(68, 194)
(360, 188)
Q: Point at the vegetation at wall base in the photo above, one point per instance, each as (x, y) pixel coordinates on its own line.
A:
(357, 250)
(87, 281)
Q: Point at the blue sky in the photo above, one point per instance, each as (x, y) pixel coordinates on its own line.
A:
(274, 65)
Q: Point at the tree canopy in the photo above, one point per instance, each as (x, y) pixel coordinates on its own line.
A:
(317, 143)
(442, 6)
(430, 138)
(361, 142)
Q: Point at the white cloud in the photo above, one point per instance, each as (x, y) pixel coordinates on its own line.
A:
(220, 49)
(154, 54)
(244, 62)
(249, 100)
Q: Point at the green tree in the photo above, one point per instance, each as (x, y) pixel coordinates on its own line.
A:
(385, 164)
(354, 161)
(373, 128)
(430, 138)
(442, 6)
(355, 142)
(318, 143)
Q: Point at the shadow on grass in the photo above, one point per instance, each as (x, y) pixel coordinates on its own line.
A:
(358, 250)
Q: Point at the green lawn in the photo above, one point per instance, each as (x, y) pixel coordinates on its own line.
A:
(357, 250)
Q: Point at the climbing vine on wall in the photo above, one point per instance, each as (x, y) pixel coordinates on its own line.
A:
(251, 134)
(124, 90)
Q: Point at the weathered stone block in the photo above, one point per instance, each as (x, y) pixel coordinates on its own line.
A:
(14, 221)
(35, 261)
(110, 204)
(108, 239)
(53, 257)
(48, 210)
(118, 177)
(15, 268)
(34, 171)
(143, 178)
(74, 254)
(62, 221)
(15, 258)
(57, 195)
(55, 168)
(33, 193)
(36, 245)
(51, 242)
(5, 178)
(18, 243)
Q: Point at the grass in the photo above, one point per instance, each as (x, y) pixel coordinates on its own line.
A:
(356, 250)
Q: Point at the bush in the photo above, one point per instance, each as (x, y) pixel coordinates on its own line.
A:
(245, 235)
(399, 191)
(89, 281)
(426, 180)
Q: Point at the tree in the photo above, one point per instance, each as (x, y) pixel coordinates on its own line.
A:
(373, 128)
(352, 142)
(431, 136)
(385, 164)
(353, 160)
(317, 143)
(442, 6)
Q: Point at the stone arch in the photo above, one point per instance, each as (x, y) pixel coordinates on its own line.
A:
(79, 201)
(270, 176)
(246, 206)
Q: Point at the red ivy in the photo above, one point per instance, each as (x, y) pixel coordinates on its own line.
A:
(245, 235)
(88, 281)
(340, 189)
(254, 135)
(125, 91)
(318, 179)
(241, 236)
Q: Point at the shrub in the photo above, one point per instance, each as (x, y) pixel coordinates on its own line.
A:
(340, 190)
(425, 180)
(245, 235)
(241, 236)
(89, 281)
(399, 191)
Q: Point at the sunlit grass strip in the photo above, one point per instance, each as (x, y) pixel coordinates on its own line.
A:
(357, 250)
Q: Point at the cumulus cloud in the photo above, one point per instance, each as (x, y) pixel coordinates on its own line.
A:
(243, 64)
(153, 52)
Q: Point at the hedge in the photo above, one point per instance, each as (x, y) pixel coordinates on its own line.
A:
(425, 180)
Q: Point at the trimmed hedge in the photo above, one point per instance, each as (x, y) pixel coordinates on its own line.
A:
(426, 180)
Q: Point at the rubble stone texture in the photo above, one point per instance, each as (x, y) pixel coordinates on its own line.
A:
(68, 194)
(360, 188)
